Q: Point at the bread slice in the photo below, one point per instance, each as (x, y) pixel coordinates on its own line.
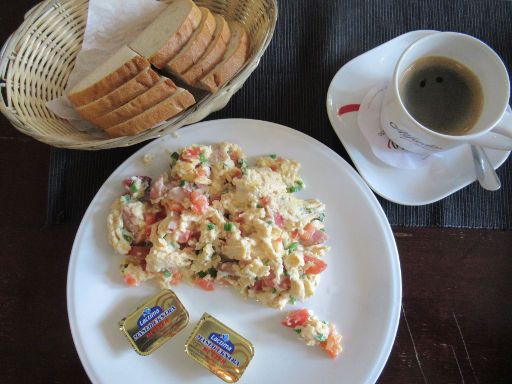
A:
(170, 107)
(233, 60)
(196, 46)
(170, 31)
(159, 92)
(122, 66)
(213, 55)
(126, 92)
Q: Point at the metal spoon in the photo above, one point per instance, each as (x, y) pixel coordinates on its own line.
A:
(484, 170)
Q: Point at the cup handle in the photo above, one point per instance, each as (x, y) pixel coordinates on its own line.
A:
(500, 137)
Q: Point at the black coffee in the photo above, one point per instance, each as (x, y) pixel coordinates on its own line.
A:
(442, 94)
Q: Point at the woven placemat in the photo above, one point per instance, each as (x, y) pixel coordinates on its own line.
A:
(313, 39)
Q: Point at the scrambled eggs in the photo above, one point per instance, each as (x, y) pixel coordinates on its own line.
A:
(313, 331)
(213, 219)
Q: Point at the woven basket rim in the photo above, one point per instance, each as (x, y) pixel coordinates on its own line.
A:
(205, 104)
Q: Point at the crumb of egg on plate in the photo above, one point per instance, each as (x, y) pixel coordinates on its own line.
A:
(148, 159)
(211, 219)
(314, 332)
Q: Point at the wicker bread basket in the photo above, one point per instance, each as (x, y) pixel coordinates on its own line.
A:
(37, 59)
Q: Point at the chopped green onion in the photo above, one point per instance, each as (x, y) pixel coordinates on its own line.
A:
(183, 183)
(322, 229)
(299, 185)
(298, 331)
(286, 273)
(266, 262)
(175, 156)
(126, 199)
(167, 274)
(274, 290)
(292, 300)
(203, 158)
(210, 226)
(259, 206)
(134, 188)
(273, 156)
(308, 210)
(320, 337)
(293, 189)
(228, 227)
(270, 222)
(321, 217)
(175, 244)
(213, 272)
(293, 246)
(243, 166)
(325, 322)
(201, 274)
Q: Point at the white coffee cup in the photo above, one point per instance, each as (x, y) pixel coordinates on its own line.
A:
(494, 126)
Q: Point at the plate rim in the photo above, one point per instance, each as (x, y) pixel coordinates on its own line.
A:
(389, 239)
(361, 170)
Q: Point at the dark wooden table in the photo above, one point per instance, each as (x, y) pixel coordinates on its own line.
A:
(456, 323)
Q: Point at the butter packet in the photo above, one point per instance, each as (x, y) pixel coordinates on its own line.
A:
(154, 322)
(219, 348)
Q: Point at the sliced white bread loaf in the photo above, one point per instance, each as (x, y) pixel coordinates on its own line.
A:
(121, 67)
(159, 92)
(168, 33)
(118, 97)
(233, 60)
(196, 46)
(170, 107)
(213, 55)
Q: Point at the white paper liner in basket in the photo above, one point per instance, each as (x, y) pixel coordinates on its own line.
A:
(110, 25)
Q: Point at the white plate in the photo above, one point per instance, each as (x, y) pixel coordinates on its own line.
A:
(360, 290)
(440, 177)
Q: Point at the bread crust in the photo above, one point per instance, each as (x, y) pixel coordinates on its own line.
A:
(164, 110)
(109, 83)
(159, 92)
(225, 71)
(166, 53)
(196, 47)
(213, 55)
(120, 96)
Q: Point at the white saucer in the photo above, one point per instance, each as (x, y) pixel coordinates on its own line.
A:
(441, 177)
